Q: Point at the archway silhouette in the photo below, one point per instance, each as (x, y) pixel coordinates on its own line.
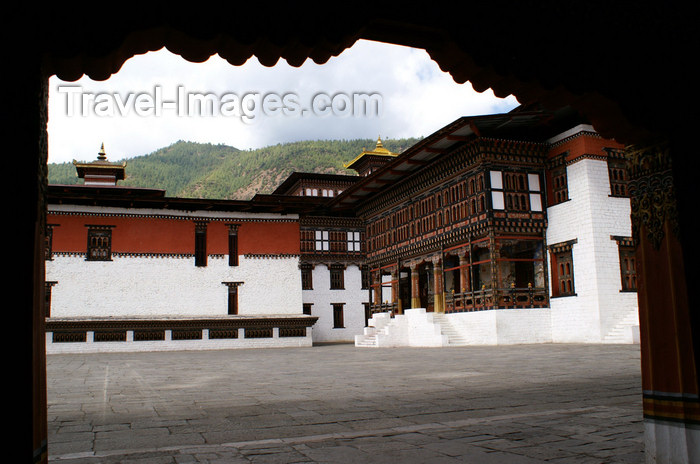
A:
(623, 77)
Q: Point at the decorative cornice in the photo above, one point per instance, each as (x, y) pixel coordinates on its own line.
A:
(230, 219)
(270, 256)
(562, 246)
(331, 221)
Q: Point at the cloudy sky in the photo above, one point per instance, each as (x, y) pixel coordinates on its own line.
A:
(156, 100)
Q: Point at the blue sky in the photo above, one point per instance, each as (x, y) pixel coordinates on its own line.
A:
(140, 109)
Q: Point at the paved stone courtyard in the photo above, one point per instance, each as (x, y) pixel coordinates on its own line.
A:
(340, 404)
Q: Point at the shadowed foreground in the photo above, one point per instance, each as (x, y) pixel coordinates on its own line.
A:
(341, 404)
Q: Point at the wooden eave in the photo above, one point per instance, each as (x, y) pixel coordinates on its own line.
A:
(131, 197)
(520, 125)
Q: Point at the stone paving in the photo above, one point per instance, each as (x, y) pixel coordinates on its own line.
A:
(521, 404)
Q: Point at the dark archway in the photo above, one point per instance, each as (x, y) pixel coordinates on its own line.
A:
(622, 69)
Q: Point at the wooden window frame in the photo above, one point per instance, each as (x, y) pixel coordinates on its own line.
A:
(322, 240)
(617, 174)
(99, 243)
(562, 267)
(338, 316)
(232, 297)
(337, 276)
(560, 185)
(628, 263)
(354, 239)
(307, 281)
(233, 244)
(48, 242)
(200, 244)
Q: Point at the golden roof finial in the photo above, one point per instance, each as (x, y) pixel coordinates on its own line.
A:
(101, 155)
(379, 142)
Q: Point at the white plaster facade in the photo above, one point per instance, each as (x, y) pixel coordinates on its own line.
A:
(174, 286)
(592, 217)
(322, 297)
(171, 285)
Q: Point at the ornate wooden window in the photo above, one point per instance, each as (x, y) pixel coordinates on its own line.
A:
(307, 282)
(337, 272)
(200, 244)
(338, 322)
(99, 243)
(233, 244)
(562, 268)
(617, 171)
(560, 186)
(628, 263)
(306, 308)
(48, 242)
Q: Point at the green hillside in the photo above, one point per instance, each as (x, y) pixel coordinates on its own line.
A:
(200, 170)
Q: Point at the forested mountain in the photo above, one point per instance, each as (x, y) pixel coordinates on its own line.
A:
(200, 170)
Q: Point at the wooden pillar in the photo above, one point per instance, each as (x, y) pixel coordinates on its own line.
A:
(395, 289)
(665, 240)
(377, 286)
(439, 287)
(464, 284)
(415, 286)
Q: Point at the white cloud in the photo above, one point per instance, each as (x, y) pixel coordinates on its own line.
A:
(417, 99)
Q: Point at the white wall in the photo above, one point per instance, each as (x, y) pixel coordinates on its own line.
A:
(591, 216)
(322, 298)
(157, 286)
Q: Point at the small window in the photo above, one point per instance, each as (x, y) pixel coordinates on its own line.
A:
(306, 277)
(560, 186)
(200, 244)
(322, 241)
(617, 170)
(338, 322)
(354, 244)
(563, 269)
(232, 301)
(628, 263)
(337, 277)
(533, 182)
(497, 198)
(99, 243)
(306, 308)
(48, 242)
(365, 277)
(233, 245)
(48, 285)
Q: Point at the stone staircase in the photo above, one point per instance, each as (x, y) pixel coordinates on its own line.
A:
(377, 327)
(415, 328)
(625, 331)
(453, 336)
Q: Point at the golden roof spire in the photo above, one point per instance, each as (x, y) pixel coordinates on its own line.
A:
(102, 155)
(379, 151)
(379, 142)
